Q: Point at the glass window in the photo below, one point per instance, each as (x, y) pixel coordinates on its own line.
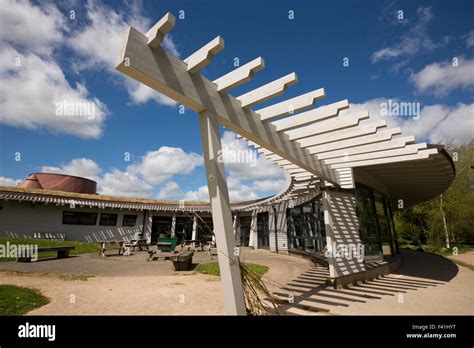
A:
(79, 218)
(161, 228)
(384, 227)
(305, 227)
(368, 224)
(262, 230)
(129, 220)
(108, 219)
(375, 224)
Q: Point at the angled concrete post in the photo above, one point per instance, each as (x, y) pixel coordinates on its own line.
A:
(234, 302)
(194, 235)
(147, 222)
(342, 233)
(253, 239)
(236, 228)
(173, 226)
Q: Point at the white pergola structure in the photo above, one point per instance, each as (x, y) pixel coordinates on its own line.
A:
(317, 146)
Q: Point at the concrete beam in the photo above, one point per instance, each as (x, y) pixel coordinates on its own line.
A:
(166, 74)
(239, 76)
(268, 91)
(291, 105)
(156, 34)
(203, 56)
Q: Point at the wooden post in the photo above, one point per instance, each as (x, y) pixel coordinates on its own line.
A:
(234, 302)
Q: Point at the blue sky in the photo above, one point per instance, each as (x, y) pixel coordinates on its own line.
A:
(64, 58)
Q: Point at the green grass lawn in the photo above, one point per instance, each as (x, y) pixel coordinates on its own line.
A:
(15, 300)
(212, 268)
(461, 248)
(80, 248)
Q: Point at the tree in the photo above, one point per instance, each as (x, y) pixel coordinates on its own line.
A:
(449, 217)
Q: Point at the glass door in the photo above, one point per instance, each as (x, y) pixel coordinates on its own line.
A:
(262, 230)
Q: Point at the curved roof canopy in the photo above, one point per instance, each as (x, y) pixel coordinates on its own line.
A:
(316, 146)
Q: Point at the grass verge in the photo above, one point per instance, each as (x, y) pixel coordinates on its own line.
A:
(15, 300)
(212, 268)
(80, 248)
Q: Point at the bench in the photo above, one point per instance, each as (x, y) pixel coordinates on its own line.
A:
(159, 253)
(212, 252)
(165, 246)
(62, 252)
(183, 260)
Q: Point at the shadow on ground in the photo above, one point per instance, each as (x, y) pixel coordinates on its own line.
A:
(428, 266)
(309, 291)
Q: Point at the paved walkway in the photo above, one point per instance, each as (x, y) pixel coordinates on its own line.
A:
(425, 284)
(467, 257)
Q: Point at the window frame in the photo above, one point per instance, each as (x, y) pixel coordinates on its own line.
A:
(134, 221)
(109, 214)
(79, 214)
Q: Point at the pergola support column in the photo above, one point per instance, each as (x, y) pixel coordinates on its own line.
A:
(173, 226)
(253, 239)
(237, 228)
(344, 247)
(234, 302)
(147, 222)
(194, 235)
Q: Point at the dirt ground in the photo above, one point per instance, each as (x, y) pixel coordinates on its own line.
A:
(132, 286)
(424, 284)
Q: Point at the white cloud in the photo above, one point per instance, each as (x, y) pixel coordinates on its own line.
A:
(170, 190)
(141, 93)
(38, 29)
(456, 126)
(470, 39)
(118, 183)
(436, 124)
(32, 82)
(83, 167)
(99, 44)
(30, 93)
(139, 179)
(263, 169)
(442, 78)
(238, 191)
(201, 195)
(100, 41)
(8, 181)
(413, 41)
(169, 44)
(253, 179)
(114, 183)
(269, 185)
(159, 166)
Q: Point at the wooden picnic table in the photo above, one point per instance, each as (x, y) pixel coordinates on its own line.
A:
(157, 254)
(192, 244)
(137, 243)
(103, 246)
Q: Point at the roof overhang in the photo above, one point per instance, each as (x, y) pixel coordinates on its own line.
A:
(412, 182)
